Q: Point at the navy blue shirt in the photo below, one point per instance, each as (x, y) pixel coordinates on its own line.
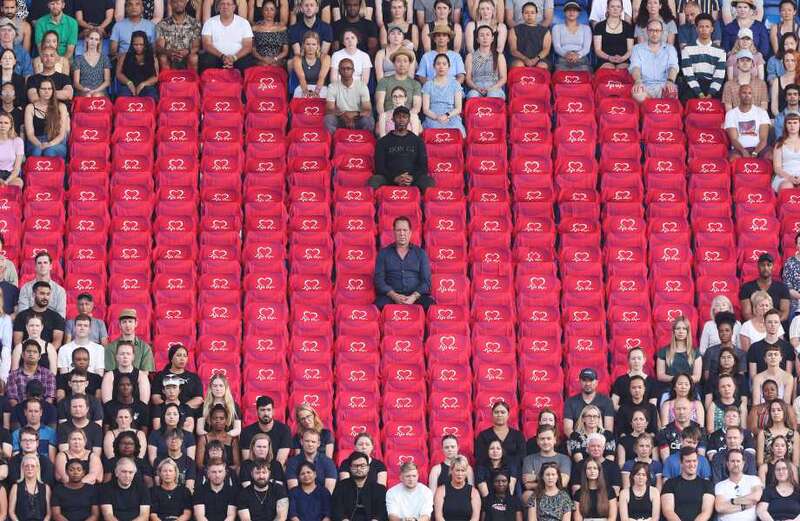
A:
(10, 297)
(296, 31)
(325, 467)
(760, 37)
(309, 507)
(413, 273)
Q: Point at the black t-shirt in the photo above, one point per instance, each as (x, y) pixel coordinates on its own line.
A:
(261, 508)
(364, 28)
(95, 382)
(216, 503)
(593, 513)
(60, 80)
(95, 409)
(781, 508)
(141, 412)
(94, 11)
(125, 502)
(185, 411)
(191, 387)
(52, 321)
(76, 504)
(611, 472)
(501, 509)
(777, 290)
(755, 355)
(170, 504)
(622, 384)
(279, 435)
(688, 494)
(622, 420)
(94, 434)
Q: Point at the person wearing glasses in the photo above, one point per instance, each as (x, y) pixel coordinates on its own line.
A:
(654, 66)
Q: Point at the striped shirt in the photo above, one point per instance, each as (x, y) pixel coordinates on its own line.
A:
(703, 62)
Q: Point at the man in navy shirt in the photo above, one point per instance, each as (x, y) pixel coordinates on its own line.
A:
(402, 271)
(308, 20)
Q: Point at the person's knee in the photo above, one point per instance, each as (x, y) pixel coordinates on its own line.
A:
(163, 62)
(192, 61)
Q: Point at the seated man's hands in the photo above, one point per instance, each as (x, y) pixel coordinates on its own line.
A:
(404, 179)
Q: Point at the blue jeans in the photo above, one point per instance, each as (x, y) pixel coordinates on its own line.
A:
(150, 92)
(59, 150)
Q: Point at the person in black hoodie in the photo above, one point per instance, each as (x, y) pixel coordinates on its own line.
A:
(400, 156)
(357, 499)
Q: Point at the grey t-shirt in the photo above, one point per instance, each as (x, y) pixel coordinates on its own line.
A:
(531, 464)
(96, 331)
(541, 5)
(348, 98)
(427, 6)
(575, 404)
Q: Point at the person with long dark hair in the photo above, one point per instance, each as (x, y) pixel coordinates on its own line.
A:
(46, 123)
(786, 155)
(492, 463)
(486, 68)
(137, 71)
(781, 499)
(594, 500)
(640, 501)
(550, 502)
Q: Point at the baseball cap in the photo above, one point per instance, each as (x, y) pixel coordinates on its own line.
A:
(588, 374)
(573, 5)
(7, 22)
(744, 53)
(745, 32)
(172, 380)
(128, 313)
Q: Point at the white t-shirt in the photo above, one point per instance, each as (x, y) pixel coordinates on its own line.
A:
(730, 490)
(97, 357)
(794, 327)
(747, 124)
(404, 503)
(227, 38)
(360, 61)
(755, 335)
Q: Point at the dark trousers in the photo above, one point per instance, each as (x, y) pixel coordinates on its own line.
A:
(425, 301)
(685, 92)
(422, 182)
(209, 61)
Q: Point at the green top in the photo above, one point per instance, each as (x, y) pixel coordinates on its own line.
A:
(142, 355)
(67, 30)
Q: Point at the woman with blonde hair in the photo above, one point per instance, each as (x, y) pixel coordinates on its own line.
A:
(487, 17)
(311, 68)
(219, 393)
(744, 44)
(754, 330)
(589, 422)
(377, 469)
(29, 497)
(91, 74)
(308, 420)
(76, 449)
(709, 336)
(170, 500)
(679, 356)
(456, 499)
(261, 449)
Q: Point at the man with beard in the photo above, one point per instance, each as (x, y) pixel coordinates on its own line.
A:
(262, 500)
(278, 432)
(215, 498)
(53, 323)
(178, 39)
(124, 499)
(355, 498)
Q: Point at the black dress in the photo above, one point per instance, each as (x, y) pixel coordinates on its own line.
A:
(613, 44)
(457, 503)
(31, 507)
(640, 507)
